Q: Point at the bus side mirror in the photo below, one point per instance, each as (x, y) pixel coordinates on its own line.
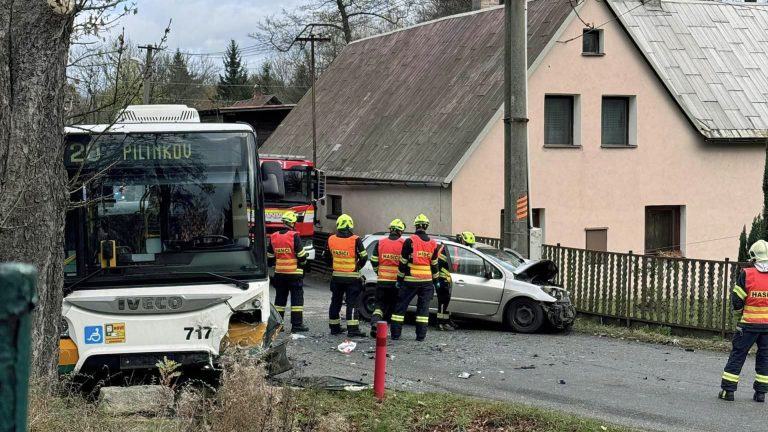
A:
(273, 180)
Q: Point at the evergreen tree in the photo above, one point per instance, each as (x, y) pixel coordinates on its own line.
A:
(182, 85)
(743, 247)
(757, 232)
(234, 85)
(266, 82)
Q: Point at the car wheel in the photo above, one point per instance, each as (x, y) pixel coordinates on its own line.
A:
(524, 315)
(367, 302)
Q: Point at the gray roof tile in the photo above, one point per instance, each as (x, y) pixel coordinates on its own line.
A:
(719, 72)
(406, 106)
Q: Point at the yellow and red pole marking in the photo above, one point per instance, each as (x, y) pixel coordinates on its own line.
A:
(522, 208)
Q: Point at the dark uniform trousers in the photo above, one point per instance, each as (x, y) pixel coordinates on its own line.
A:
(425, 291)
(443, 298)
(295, 287)
(387, 296)
(341, 287)
(742, 342)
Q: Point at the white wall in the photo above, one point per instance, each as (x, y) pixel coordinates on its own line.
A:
(373, 207)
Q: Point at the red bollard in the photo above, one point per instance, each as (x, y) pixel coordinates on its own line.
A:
(381, 360)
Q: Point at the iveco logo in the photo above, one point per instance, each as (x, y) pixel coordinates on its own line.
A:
(149, 303)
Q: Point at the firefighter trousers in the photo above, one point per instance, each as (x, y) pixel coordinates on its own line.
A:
(341, 288)
(443, 298)
(424, 291)
(742, 342)
(295, 287)
(387, 296)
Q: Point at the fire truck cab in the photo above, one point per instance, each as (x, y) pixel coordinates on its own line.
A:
(304, 185)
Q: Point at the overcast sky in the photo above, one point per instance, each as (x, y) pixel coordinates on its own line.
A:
(201, 26)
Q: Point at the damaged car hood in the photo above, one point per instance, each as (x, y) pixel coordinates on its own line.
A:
(541, 271)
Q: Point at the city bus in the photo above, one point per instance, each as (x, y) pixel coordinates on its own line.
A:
(165, 244)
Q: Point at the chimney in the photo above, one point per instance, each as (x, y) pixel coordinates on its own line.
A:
(484, 4)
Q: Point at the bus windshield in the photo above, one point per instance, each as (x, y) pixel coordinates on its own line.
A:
(179, 206)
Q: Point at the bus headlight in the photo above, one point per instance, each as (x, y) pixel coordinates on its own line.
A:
(64, 328)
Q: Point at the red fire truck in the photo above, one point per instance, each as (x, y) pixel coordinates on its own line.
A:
(303, 187)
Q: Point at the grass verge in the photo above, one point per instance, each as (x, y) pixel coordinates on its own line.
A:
(651, 334)
(411, 412)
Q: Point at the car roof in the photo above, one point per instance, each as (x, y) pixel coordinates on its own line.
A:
(439, 237)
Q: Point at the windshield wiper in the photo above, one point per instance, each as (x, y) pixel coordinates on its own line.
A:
(69, 289)
(238, 283)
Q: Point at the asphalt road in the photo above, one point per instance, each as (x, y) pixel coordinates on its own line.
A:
(631, 383)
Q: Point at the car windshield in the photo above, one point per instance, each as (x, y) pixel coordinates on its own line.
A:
(173, 203)
(504, 258)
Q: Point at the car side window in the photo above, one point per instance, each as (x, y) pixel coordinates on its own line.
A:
(467, 262)
(493, 271)
(371, 247)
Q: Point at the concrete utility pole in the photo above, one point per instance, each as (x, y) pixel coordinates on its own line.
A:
(312, 39)
(516, 215)
(147, 72)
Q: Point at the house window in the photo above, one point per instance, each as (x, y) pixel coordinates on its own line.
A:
(618, 125)
(663, 230)
(334, 207)
(597, 239)
(559, 124)
(592, 42)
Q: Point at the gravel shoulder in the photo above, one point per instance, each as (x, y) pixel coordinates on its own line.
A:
(637, 384)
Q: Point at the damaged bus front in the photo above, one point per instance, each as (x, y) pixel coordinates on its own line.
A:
(165, 254)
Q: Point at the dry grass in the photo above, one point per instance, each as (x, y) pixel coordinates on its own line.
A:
(652, 334)
(245, 401)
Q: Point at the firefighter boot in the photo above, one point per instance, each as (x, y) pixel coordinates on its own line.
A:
(299, 328)
(725, 395)
(759, 397)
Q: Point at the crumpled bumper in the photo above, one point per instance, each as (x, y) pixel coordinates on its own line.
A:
(560, 314)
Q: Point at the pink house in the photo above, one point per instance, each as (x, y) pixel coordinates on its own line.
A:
(647, 132)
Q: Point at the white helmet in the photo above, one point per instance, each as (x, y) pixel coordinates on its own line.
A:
(759, 251)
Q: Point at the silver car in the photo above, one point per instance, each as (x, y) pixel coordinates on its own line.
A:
(493, 285)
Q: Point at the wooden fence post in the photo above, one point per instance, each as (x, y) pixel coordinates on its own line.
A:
(726, 291)
(17, 298)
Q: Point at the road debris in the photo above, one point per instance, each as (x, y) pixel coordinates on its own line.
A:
(526, 367)
(347, 346)
(465, 375)
(561, 382)
(296, 336)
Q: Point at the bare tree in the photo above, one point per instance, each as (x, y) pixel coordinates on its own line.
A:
(341, 20)
(35, 38)
(434, 9)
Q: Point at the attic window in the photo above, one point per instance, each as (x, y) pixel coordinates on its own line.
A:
(592, 42)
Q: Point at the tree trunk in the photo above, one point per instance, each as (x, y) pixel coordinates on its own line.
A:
(34, 42)
(344, 21)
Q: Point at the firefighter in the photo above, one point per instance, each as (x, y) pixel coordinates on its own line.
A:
(286, 253)
(444, 321)
(347, 256)
(417, 277)
(467, 238)
(751, 296)
(386, 263)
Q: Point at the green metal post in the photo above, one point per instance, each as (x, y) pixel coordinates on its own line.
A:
(17, 299)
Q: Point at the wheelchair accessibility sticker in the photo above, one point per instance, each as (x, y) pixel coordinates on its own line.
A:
(94, 335)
